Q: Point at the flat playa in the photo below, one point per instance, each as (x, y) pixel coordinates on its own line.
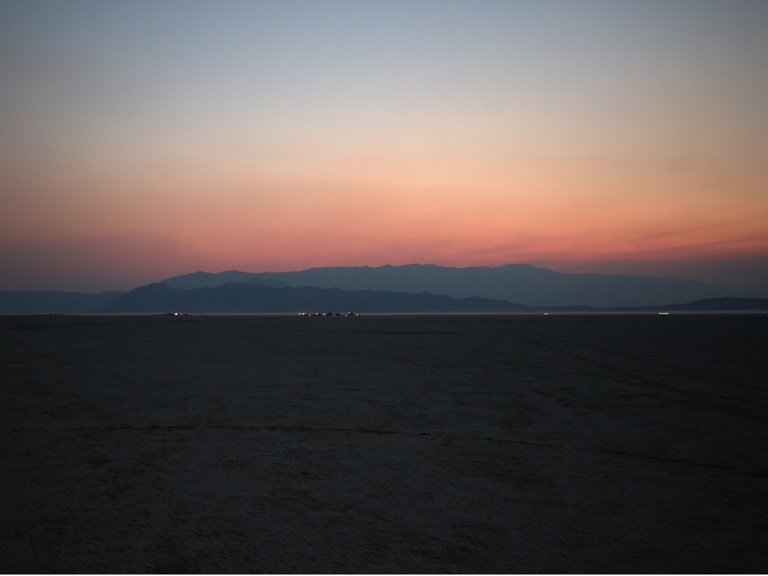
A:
(384, 444)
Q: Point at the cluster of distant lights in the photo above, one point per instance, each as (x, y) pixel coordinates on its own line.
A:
(319, 314)
(307, 314)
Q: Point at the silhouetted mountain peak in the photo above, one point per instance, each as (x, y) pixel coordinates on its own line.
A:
(522, 283)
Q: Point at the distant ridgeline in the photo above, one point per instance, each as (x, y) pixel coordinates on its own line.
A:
(518, 283)
(412, 288)
(54, 302)
(243, 297)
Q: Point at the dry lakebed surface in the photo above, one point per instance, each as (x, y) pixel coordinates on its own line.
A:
(530, 443)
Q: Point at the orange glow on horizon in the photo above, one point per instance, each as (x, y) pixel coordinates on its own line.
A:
(259, 144)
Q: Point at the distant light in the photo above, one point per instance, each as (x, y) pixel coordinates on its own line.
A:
(663, 313)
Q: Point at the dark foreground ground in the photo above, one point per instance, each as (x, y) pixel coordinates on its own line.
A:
(384, 444)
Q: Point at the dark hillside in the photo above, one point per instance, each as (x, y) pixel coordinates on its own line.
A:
(253, 298)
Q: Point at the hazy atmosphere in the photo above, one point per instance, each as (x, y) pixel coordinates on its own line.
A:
(398, 286)
(146, 139)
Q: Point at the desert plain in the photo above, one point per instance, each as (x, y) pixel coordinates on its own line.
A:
(416, 444)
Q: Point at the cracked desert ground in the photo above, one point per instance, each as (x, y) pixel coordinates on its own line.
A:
(384, 444)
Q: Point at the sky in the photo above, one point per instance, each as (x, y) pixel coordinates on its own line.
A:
(144, 139)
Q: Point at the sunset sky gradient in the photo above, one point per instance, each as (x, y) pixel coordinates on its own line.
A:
(143, 139)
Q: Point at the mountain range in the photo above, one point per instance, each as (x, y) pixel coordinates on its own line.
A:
(410, 288)
(519, 283)
(243, 297)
